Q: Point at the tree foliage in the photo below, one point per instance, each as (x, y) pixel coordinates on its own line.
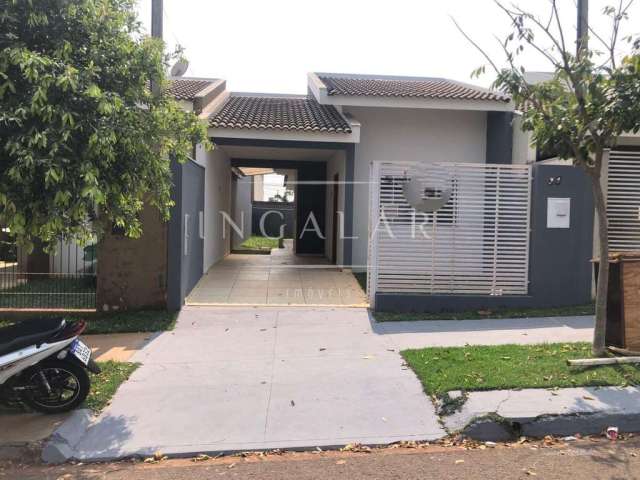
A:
(591, 97)
(83, 142)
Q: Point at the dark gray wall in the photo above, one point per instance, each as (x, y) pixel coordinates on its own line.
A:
(184, 271)
(559, 260)
(273, 221)
(192, 205)
(499, 137)
(312, 191)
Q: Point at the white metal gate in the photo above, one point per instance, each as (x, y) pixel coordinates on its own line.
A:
(477, 243)
(623, 200)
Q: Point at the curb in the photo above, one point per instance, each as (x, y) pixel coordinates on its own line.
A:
(496, 428)
(60, 446)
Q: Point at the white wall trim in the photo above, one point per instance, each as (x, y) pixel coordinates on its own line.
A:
(254, 134)
(405, 102)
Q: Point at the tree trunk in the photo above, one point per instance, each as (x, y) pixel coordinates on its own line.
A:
(599, 347)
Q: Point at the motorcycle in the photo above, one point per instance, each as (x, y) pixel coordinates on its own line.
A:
(43, 364)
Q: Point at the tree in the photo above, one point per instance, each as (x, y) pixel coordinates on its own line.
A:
(592, 98)
(83, 142)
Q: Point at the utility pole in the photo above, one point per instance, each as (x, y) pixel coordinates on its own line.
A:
(583, 26)
(156, 32)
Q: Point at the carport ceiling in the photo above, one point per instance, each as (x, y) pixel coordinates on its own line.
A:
(275, 153)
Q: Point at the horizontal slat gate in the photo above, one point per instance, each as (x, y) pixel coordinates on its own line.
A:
(478, 243)
(623, 200)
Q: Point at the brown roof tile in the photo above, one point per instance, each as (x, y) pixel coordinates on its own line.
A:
(291, 113)
(187, 88)
(428, 88)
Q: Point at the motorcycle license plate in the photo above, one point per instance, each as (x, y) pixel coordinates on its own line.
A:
(80, 351)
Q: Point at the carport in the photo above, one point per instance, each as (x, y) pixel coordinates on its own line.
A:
(280, 133)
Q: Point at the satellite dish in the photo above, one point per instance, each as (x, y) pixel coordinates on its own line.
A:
(179, 68)
(413, 191)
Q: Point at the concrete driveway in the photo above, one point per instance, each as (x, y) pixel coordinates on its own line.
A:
(231, 379)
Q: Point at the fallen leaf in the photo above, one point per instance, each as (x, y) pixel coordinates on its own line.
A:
(587, 397)
(531, 473)
(458, 462)
(201, 458)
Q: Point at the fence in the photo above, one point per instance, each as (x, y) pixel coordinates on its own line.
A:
(477, 243)
(623, 200)
(62, 280)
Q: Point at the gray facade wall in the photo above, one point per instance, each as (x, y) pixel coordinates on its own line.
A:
(185, 246)
(559, 261)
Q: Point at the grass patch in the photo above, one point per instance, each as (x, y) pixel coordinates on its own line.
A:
(133, 321)
(475, 368)
(105, 385)
(588, 309)
(255, 242)
(361, 277)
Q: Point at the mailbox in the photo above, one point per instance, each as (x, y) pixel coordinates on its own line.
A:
(558, 212)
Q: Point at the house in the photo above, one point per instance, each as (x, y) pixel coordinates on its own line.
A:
(416, 181)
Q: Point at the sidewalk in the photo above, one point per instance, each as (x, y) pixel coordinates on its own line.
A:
(236, 379)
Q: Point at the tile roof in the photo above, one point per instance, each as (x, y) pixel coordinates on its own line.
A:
(290, 113)
(187, 88)
(408, 87)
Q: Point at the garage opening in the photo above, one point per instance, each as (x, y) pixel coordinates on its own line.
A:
(283, 231)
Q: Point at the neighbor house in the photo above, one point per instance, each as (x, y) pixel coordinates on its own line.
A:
(371, 155)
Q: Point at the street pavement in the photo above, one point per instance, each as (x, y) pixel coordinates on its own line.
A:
(584, 460)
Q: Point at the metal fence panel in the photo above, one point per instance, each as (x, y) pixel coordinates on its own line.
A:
(623, 200)
(477, 243)
(61, 280)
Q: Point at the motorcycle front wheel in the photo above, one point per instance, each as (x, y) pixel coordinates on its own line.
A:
(69, 385)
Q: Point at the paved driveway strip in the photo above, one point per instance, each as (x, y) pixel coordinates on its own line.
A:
(235, 379)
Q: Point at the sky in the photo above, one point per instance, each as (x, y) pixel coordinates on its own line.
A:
(270, 45)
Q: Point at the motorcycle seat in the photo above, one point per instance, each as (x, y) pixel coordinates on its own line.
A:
(28, 332)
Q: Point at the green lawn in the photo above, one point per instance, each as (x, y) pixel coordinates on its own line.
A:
(481, 314)
(361, 277)
(105, 385)
(259, 243)
(512, 367)
(119, 322)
